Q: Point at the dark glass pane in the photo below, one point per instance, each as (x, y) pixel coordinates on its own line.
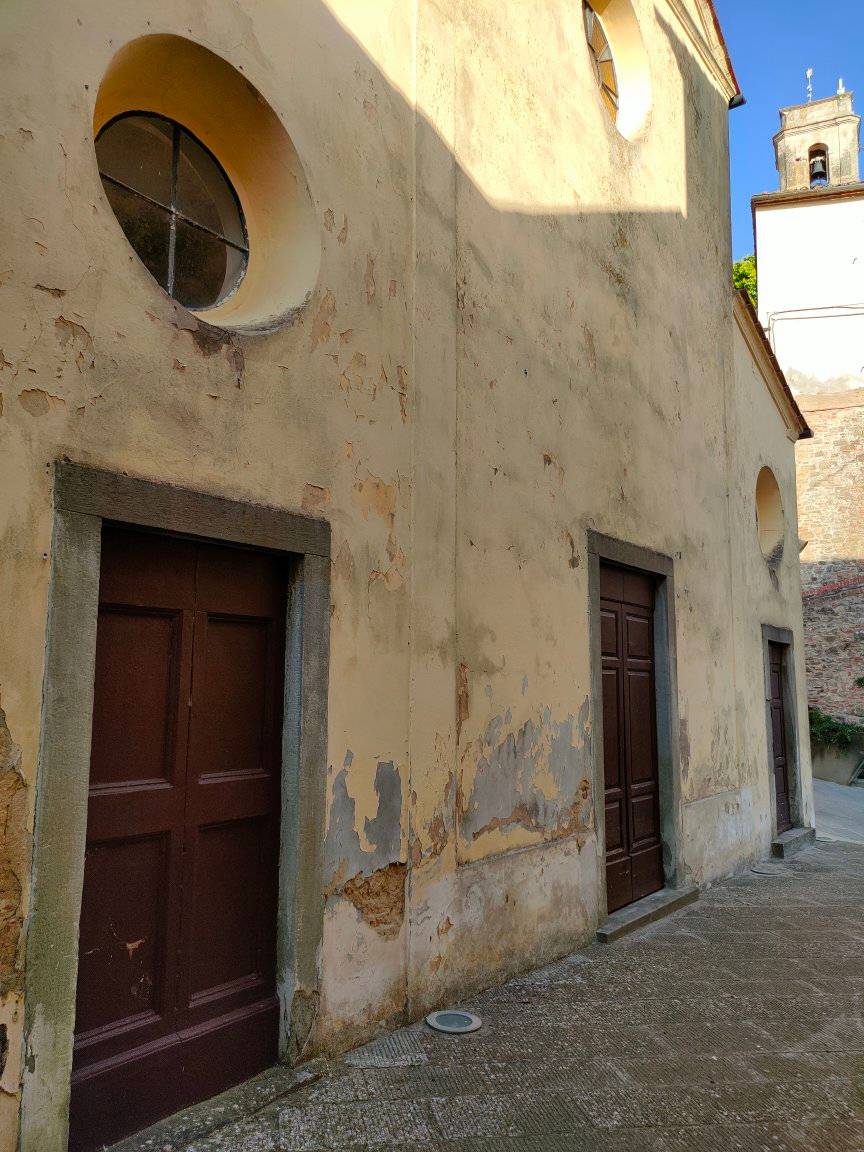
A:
(147, 228)
(136, 150)
(205, 269)
(204, 194)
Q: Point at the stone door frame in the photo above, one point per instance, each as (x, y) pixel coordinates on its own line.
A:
(784, 638)
(606, 549)
(83, 498)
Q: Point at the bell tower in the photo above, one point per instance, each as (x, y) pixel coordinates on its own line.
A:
(817, 145)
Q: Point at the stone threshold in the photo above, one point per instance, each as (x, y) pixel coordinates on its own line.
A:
(176, 1132)
(657, 906)
(790, 843)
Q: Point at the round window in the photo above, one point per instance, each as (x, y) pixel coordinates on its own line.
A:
(601, 56)
(176, 206)
(620, 63)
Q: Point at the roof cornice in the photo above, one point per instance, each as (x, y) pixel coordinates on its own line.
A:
(710, 44)
(797, 427)
(809, 195)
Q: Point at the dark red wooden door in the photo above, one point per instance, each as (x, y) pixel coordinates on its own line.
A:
(778, 738)
(176, 972)
(634, 849)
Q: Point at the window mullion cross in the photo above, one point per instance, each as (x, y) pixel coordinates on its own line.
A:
(172, 233)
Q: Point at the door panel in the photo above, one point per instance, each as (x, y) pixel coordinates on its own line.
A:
(780, 757)
(138, 660)
(121, 943)
(176, 983)
(634, 851)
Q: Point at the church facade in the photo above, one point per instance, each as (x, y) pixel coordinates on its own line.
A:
(400, 566)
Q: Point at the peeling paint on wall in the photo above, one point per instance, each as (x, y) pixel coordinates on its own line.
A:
(344, 853)
(536, 776)
(384, 831)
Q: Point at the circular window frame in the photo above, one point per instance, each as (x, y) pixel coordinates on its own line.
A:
(629, 59)
(770, 517)
(179, 128)
(602, 54)
(172, 76)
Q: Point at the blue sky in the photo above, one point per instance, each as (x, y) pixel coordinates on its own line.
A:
(772, 43)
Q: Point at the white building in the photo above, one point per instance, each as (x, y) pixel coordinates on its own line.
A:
(810, 248)
(810, 254)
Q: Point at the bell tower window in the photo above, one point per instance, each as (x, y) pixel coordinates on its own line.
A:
(819, 174)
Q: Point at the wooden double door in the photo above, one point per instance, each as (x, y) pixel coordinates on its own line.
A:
(176, 996)
(634, 848)
(779, 751)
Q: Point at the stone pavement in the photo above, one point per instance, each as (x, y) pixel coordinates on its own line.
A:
(737, 1025)
(839, 811)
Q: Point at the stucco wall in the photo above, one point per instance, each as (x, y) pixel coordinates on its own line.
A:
(521, 330)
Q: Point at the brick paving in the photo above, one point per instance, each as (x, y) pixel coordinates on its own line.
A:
(737, 1025)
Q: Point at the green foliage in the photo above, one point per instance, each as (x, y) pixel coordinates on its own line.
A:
(744, 276)
(826, 730)
(859, 683)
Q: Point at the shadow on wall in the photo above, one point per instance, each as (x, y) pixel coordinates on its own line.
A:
(613, 321)
(620, 265)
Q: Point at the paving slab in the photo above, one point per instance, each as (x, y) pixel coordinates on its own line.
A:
(839, 811)
(736, 1025)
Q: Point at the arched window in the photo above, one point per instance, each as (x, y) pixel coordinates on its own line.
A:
(770, 520)
(818, 158)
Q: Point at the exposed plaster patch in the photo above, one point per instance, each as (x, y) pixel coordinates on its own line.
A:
(38, 402)
(380, 898)
(403, 392)
(573, 559)
(537, 776)
(392, 289)
(343, 232)
(55, 292)
(372, 494)
(343, 565)
(315, 498)
(463, 699)
(590, 347)
(74, 337)
(553, 463)
(321, 325)
(684, 747)
(369, 280)
(329, 220)
(14, 857)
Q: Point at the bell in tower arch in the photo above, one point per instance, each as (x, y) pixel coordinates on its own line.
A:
(818, 167)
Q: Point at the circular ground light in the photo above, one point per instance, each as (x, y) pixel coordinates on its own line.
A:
(453, 1021)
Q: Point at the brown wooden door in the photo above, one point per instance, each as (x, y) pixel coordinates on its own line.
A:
(634, 849)
(176, 973)
(778, 737)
